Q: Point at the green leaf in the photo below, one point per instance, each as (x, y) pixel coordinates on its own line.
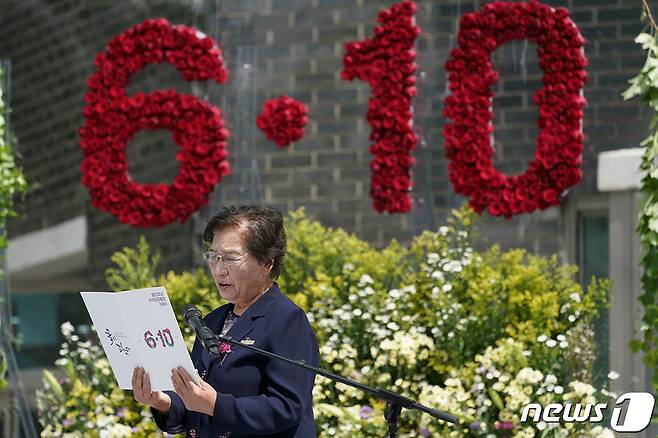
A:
(54, 385)
(495, 398)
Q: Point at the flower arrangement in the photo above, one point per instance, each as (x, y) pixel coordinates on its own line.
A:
(86, 401)
(439, 307)
(493, 390)
(283, 120)
(112, 119)
(478, 334)
(557, 159)
(386, 62)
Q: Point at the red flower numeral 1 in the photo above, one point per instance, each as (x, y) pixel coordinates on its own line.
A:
(386, 62)
(165, 337)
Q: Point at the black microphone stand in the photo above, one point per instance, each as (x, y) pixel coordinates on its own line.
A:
(394, 402)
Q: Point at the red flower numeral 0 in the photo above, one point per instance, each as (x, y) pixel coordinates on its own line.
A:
(557, 160)
(386, 62)
(112, 118)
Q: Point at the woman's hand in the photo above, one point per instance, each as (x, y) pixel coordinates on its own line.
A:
(196, 397)
(142, 392)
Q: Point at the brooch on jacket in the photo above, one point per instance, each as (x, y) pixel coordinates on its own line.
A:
(224, 350)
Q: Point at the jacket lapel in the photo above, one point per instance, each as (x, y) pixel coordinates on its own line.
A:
(215, 326)
(246, 321)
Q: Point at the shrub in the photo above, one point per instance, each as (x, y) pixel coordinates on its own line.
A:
(478, 334)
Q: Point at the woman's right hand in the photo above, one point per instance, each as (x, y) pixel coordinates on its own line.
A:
(142, 392)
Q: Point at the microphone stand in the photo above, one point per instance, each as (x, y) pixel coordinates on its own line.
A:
(394, 402)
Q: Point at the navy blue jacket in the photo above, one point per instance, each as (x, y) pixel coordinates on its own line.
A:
(257, 396)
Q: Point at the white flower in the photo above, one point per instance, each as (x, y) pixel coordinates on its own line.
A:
(551, 343)
(572, 318)
(529, 375)
(357, 312)
(542, 425)
(582, 389)
(575, 297)
(447, 287)
(564, 344)
(550, 378)
(66, 328)
(542, 338)
(613, 375)
(561, 338)
(366, 279)
(558, 390)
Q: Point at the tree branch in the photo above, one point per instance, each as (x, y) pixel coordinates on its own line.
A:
(647, 10)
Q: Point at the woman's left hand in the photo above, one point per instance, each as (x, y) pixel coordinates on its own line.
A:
(196, 397)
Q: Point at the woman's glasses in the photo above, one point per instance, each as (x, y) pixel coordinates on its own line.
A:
(213, 257)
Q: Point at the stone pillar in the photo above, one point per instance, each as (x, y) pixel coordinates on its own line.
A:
(619, 176)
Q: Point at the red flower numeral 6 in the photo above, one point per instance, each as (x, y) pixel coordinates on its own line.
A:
(386, 62)
(112, 118)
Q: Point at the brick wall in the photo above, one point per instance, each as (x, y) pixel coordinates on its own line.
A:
(52, 45)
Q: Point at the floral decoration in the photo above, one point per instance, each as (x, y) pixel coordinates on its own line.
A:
(558, 156)
(476, 333)
(283, 120)
(386, 62)
(224, 347)
(113, 117)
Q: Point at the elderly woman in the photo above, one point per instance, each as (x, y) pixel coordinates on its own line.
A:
(243, 394)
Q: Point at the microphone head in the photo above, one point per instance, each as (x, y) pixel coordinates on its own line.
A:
(189, 312)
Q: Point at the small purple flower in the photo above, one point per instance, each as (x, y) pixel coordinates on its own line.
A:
(474, 426)
(67, 422)
(366, 412)
(424, 432)
(504, 425)
(122, 412)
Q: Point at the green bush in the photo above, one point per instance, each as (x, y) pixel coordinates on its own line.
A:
(477, 334)
(12, 183)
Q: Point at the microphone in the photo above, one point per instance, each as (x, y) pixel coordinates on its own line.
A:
(209, 340)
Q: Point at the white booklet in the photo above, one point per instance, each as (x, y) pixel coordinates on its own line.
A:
(138, 328)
